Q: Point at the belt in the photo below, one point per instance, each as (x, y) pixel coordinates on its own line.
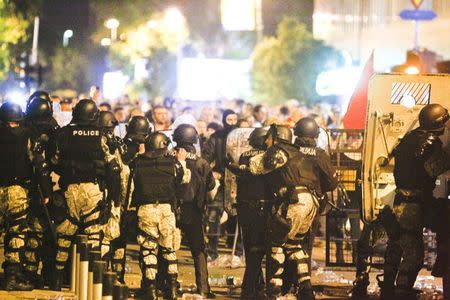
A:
(15, 181)
(409, 193)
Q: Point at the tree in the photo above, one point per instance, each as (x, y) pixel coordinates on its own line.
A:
(14, 22)
(67, 69)
(286, 66)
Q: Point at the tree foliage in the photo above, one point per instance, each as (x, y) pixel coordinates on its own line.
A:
(286, 66)
(13, 32)
(68, 64)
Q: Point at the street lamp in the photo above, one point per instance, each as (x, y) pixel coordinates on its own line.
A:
(112, 24)
(173, 18)
(66, 36)
(105, 42)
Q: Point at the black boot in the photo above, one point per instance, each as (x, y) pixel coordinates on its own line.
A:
(148, 290)
(170, 291)
(305, 291)
(360, 286)
(57, 280)
(35, 279)
(15, 280)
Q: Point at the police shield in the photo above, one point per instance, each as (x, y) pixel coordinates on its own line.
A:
(394, 102)
(237, 143)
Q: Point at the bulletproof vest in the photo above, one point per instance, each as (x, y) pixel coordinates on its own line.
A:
(301, 168)
(15, 166)
(154, 180)
(409, 171)
(82, 155)
(250, 188)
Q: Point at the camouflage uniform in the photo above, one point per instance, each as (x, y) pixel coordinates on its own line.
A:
(157, 178)
(415, 173)
(89, 208)
(20, 166)
(297, 174)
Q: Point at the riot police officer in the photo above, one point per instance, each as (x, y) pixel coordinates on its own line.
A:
(40, 238)
(157, 179)
(252, 205)
(19, 164)
(419, 159)
(193, 204)
(299, 175)
(86, 167)
(138, 130)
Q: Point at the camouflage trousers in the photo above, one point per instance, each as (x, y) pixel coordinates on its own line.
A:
(83, 202)
(14, 204)
(292, 254)
(157, 228)
(404, 255)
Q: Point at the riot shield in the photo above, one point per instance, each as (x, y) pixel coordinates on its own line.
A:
(394, 102)
(237, 143)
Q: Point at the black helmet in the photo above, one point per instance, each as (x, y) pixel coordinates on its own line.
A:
(156, 141)
(280, 133)
(39, 95)
(138, 128)
(433, 117)
(85, 112)
(11, 112)
(185, 134)
(257, 138)
(39, 108)
(106, 119)
(306, 127)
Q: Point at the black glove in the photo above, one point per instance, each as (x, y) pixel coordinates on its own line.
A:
(427, 146)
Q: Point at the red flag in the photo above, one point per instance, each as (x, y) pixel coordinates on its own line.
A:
(355, 117)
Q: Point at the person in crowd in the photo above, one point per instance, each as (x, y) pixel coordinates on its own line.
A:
(160, 118)
(105, 106)
(260, 113)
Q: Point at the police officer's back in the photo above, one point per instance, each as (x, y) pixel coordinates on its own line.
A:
(193, 203)
(87, 168)
(158, 177)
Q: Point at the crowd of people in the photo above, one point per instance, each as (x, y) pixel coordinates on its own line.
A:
(150, 170)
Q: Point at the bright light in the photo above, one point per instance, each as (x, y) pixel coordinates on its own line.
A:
(340, 82)
(66, 36)
(105, 42)
(112, 23)
(173, 18)
(68, 33)
(238, 15)
(207, 79)
(408, 101)
(114, 84)
(152, 24)
(17, 97)
(412, 70)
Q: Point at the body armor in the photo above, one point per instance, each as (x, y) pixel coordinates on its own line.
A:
(82, 156)
(154, 179)
(15, 166)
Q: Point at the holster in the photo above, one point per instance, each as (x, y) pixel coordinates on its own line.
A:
(278, 227)
(389, 222)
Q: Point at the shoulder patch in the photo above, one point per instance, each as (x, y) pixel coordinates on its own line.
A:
(308, 151)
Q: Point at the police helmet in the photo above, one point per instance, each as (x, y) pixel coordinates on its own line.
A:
(39, 108)
(306, 127)
(11, 112)
(280, 133)
(257, 138)
(185, 134)
(433, 117)
(156, 141)
(106, 119)
(138, 128)
(41, 95)
(85, 112)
